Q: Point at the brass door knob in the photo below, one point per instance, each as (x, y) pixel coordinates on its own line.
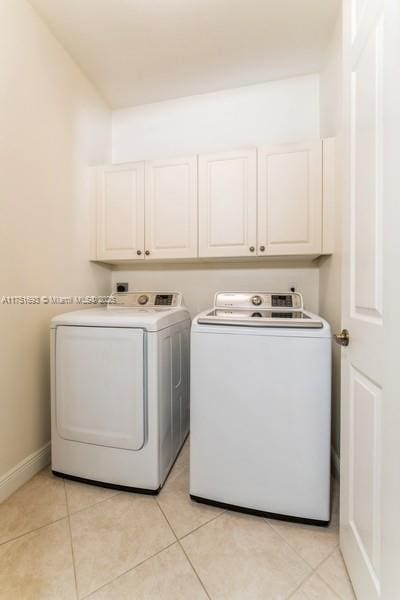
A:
(342, 338)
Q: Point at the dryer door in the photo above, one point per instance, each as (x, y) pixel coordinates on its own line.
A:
(100, 389)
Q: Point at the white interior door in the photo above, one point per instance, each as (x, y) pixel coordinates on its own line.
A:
(120, 211)
(228, 204)
(100, 386)
(171, 208)
(370, 431)
(290, 199)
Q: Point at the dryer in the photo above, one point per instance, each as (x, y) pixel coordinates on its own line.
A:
(260, 406)
(119, 390)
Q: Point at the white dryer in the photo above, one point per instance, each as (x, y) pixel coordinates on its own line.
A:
(119, 390)
(260, 407)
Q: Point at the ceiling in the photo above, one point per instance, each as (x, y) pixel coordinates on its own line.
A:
(140, 51)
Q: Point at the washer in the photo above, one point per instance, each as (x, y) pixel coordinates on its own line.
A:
(119, 390)
(261, 407)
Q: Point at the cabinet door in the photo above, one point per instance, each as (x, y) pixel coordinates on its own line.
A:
(120, 211)
(228, 204)
(171, 208)
(290, 199)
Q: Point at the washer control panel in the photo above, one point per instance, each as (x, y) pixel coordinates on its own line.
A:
(164, 299)
(264, 300)
(155, 300)
(283, 300)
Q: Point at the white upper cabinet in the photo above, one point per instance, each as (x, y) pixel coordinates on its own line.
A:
(171, 208)
(120, 211)
(290, 199)
(228, 204)
(270, 201)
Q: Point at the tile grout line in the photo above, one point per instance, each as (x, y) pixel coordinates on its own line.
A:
(194, 570)
(21, 535)
(183, 550)
(296, 551)
(324, 580)
(315, 572)
(51, 522)
(289, 545)
(141, 562)
(176, 540)
(128, 571)
(182, 537)
(164, 515)
(70, 540)
(117, 493)
(307, 578)
(17, 537)
(313, 569)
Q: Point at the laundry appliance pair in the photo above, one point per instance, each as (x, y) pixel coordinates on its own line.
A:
(260, 380)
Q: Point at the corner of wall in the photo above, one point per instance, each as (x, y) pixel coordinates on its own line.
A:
(330, 267)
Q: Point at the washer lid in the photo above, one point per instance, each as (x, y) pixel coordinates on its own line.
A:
(149, 319)
(278, 310)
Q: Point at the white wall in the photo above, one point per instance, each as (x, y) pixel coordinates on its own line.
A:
(53, 124)
(275, 112)
(199, 282)
(331, 267)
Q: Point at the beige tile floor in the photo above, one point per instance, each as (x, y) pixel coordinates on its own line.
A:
(64, 540)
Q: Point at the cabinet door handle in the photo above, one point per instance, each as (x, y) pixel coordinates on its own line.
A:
(252, 248)
(262, 248)
(147, 253)
(138, 252)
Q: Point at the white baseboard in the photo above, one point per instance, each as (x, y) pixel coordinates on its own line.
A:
(335, 463)
(23, 471)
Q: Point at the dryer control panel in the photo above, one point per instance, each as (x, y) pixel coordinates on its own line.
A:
(145, 300)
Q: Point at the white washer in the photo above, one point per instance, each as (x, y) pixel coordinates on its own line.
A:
(260, 407)
(119, 390)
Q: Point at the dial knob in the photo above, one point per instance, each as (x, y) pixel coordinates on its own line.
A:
(143, 299)
(256, 300)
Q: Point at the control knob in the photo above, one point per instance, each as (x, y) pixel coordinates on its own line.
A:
(256, 300)
(143, 299)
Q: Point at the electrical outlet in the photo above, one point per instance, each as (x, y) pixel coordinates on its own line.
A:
(122, 287)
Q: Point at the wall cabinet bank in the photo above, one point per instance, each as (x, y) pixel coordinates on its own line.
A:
(273, 201)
